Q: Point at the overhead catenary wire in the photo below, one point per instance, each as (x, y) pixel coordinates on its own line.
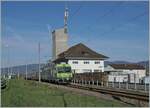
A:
(119, 3)
(122, 24)
(75, 12)
(107, 13)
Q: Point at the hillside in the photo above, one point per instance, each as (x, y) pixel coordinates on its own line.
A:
(31, 68)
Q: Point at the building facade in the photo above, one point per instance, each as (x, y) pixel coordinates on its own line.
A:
(82, 59)
(81, 66)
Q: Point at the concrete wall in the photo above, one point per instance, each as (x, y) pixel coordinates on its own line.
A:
(80, 67)
(59, 42)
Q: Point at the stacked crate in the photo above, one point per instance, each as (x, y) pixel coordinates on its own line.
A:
(91, 76)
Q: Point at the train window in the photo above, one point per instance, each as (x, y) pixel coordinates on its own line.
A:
(64, 69)
(67, 69)
(60, 69)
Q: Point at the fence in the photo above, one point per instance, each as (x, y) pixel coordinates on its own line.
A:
(119, 85)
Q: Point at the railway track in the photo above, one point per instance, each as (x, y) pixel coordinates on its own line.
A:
(116, 93)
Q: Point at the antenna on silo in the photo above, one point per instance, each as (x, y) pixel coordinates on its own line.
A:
(65, 18)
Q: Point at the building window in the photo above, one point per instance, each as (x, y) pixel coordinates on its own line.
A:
(86, 62)
(75, 62)
(97, 62)
(97, 70)
(87, 70)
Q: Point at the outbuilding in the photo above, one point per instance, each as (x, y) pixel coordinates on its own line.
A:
(131, 73)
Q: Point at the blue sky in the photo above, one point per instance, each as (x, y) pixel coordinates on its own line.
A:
(117, 29)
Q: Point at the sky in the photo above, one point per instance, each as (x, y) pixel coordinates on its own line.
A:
(117, 29)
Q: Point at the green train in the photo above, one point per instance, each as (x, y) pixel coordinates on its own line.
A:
(59, 73)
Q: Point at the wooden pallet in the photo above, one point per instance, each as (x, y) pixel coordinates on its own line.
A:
(91, 76)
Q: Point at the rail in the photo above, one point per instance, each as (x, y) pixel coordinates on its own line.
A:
(113, 92)
(3, 83)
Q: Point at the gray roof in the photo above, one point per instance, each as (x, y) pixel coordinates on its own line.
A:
(127, 66)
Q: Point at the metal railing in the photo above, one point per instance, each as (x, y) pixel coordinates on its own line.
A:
(118, 85)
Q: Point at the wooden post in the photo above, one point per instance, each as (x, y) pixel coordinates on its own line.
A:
(106, 83)
(119, 82)
(145, 87)
(102, 83)
(135, 81)
(113, 84)
(97, 82)
(135, 85)
(127, 85)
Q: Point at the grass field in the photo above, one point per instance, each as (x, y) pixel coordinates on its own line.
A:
(31, 94)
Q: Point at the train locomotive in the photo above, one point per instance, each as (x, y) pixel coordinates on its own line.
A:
(60, 73)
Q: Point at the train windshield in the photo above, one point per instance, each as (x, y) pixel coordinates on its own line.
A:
(60, 69)
(64, 69)
(67, 69)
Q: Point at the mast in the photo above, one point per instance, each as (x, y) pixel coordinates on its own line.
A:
(65, 18)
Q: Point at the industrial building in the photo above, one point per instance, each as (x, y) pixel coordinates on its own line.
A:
(59, 42)
(60, 38)
(132, 73)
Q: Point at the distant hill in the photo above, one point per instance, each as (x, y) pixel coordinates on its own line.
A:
(31, 68)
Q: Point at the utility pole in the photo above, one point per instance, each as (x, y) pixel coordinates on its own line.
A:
(26, 70)
(11, 70)
(39, 63)
(8, 68)
(18, 72)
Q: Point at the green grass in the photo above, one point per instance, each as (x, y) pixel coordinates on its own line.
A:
(31, 94)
